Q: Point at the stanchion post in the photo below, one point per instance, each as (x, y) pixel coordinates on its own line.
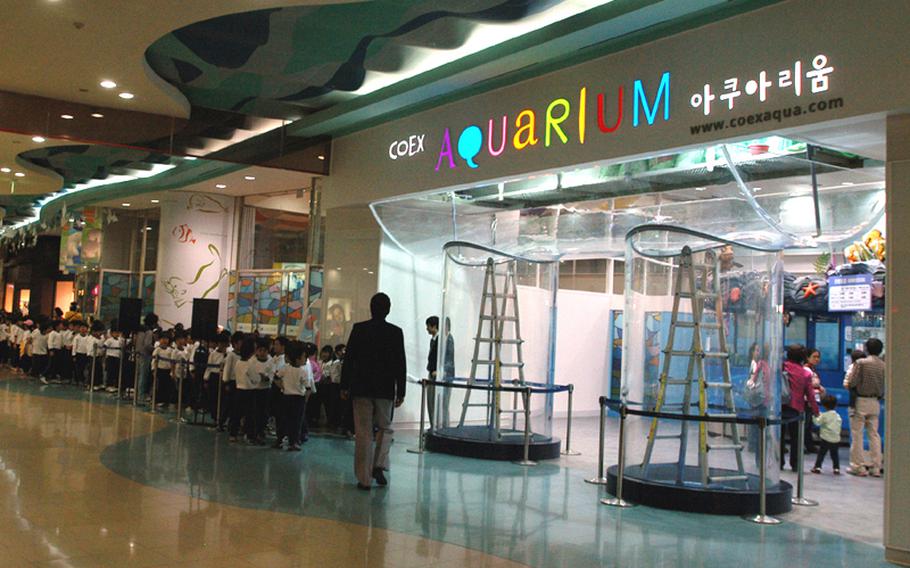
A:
(423, 407)
(599, 478)
(220, 394)
(618, 501)
(527, 461)
(137, 360)
(569, 451)
(154, 372)
(92, 380)
(181, 369)
(762, 518)
(800, 455)
(120, 367)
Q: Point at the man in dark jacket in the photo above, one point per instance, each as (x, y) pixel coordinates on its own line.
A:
(373, 374)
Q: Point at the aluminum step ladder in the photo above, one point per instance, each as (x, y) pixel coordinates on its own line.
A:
(699, 284)
(498, 309)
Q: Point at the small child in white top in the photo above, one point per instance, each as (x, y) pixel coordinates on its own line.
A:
(296, 383)
(829, 423)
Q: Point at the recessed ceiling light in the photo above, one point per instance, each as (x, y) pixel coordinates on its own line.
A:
(124, 204)
(756, 189)
(39, 139)
(190, 158)
(220, 186)
(249, 178)
(19, 175)
(321, 157)
(156, 201)
(148, 228)
(5, 170)
(126, 95)
(67, 116)
(97, 115)
(108, 84)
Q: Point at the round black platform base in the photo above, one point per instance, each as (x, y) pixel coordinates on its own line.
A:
(740, 498)
(474, 442)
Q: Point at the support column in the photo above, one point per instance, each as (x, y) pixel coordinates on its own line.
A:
(897, 356)
(195, 246)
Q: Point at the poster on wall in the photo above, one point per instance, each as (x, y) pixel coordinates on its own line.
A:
(850, 293)
(70, 246)
(91, 238)
(196, 232)
(80, 241)
(310, 330)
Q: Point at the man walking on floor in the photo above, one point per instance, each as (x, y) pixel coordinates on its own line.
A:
(867, 376)
(373, 374)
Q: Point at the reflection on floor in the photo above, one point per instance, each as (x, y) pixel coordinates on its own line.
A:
(105, 485)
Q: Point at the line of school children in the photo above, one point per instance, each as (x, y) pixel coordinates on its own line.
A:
(62, 352)
(268, 386)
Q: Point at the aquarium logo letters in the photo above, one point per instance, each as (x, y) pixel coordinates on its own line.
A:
(532, 127)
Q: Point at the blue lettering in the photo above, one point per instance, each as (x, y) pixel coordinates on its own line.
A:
(641, 99)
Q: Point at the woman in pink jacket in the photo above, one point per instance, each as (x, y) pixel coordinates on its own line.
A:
(802, 394)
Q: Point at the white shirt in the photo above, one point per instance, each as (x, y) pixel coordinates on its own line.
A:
(264, 371)
(230, 362)
(112, 347)
(39, 344)
(244, 374)
(296, 381)
(216, 358)
(180, 357)
(68, 337)
(4, 332)
(55, 340)
(162, 358)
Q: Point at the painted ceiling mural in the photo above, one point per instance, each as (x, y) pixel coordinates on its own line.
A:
(287, 62)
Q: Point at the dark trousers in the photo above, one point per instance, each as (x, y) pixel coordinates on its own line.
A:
(211, 387)
(244, 410)
(333, 403)
(314, 405)
(262, 411)
(824, 448)
(291, 418)
(80, 363)
(790, 431)
(166, 389)
(810, 444)
(39, 365)
(228, 394)
(112, 376)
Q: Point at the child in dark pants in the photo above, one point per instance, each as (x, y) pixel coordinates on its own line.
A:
(243, 400)
(162, 362)
(113, 346)
(296, 382)
(829, 423)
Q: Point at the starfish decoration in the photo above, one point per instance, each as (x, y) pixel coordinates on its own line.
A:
(811, 289)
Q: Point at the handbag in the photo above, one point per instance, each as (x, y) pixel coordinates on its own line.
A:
(754, 392)
(785, 388)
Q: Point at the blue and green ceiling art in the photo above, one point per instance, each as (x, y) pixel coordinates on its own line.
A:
(78, 165)
(288, 62)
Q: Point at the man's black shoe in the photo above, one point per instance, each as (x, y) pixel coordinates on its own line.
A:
(379, 476)
(363, 487)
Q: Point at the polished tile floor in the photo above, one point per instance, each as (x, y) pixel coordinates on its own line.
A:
(99, 484)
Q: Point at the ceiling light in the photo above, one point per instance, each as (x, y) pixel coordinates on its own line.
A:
(19, 175)
(39, 139)
(249, 178)
(108, 84)
(700, 188)
(756, 189)
(124, 204)
(126, 95)
(148, 228)
(5, 170)
(97, 115)
(321, 157)
(191, 158)
(220, 186)
(156, 201)
(67, 116)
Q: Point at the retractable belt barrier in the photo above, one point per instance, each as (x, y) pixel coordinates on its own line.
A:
(762, 422)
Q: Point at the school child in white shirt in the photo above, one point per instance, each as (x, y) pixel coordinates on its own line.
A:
(113, 349)
(39, 353)
(229, 382)
(54, 347)
(261, 368)
(211, 377)
(296, 383)
(243, 408)
(309, 352)
(279, 346)
(162, 364)
(68, 358)
(96, 356)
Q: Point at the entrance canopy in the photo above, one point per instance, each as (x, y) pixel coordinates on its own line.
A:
(768, 193)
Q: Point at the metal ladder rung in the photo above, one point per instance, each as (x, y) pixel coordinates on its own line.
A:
(504, 341)
(678, 381)
(489, 362)
(499, 318)
(511, 411)
(728, 478)
(716, 354)
(667, 436)
(718, 385)
(503, 296)
(698, 294)
(691, 324)
(725, 446)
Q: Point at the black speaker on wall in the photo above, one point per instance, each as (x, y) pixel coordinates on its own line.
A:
(130, 314)
(205, 319)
